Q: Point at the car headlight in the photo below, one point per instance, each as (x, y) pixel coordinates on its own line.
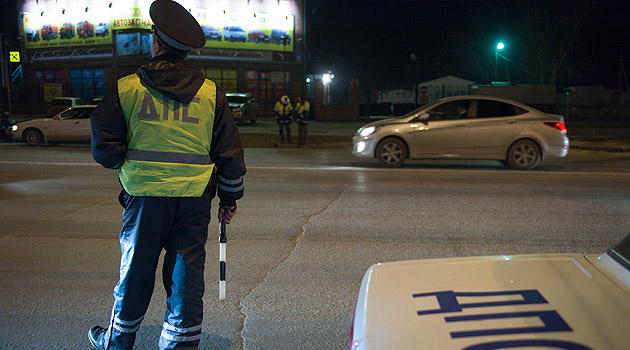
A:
(14, 128)
(367, 131)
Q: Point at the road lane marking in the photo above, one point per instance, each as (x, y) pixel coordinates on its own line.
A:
(21, 162)
(352, 168)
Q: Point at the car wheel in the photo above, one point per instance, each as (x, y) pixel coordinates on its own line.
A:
(33, 137)
(524, 155)
(391, 152)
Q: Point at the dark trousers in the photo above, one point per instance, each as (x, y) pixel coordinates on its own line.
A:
(302, 133)
(180, 227)
(281, 127)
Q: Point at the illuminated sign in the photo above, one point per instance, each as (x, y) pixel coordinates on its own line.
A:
(77, 28)
(14, 56)
(94, 24)
(134, 17)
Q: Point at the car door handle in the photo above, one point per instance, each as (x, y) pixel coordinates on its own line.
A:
(459, 125)
(512, 121)
(76, 122)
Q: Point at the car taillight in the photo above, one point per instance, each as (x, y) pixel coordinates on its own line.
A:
(558, 125)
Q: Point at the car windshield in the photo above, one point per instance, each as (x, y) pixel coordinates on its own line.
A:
(621, 252)
(237, 99)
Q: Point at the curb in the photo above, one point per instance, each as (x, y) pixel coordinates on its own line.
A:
(614, 149)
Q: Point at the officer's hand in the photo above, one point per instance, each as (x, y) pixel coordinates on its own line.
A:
(226, 214)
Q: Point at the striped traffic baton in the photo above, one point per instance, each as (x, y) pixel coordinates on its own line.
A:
(222, 245)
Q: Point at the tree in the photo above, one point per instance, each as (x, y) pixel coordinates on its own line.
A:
(551, 29)
(540, 35)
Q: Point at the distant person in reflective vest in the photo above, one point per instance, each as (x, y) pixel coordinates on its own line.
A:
(170, 133)
(284, 114)
(302, 111)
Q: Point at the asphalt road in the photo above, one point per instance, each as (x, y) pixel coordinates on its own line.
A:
(310, 224)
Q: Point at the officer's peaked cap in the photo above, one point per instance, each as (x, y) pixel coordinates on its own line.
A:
(175, 26)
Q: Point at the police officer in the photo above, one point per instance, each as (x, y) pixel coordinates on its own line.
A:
(170, 132)
(284, 114)
(302, 110)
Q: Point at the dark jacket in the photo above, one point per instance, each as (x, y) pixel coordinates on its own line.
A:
(169, 75)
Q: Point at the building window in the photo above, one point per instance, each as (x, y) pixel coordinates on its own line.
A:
(133, 44)
(87, 83)
(225, 78)
(50, 84)
(263, 87)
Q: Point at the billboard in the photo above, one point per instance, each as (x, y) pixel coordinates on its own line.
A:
(45, 34)
(94, 25)
(246, 30)
(74, 26)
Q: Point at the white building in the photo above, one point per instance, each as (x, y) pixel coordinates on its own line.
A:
(449, 85)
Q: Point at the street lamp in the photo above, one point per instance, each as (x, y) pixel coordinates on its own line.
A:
(326, 80)
(500, 46)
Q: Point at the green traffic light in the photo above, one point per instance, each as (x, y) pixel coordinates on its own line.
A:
(500, 46)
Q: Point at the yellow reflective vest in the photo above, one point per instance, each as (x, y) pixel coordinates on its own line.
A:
(301, 108)
(168, 142)
(283, 112)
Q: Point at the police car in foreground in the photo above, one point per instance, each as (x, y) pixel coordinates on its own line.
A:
(549, 301)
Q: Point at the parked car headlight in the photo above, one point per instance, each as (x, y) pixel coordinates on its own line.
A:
(367, 131)
(14, 128)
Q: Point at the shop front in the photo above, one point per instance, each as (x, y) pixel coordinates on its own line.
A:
(78, 48)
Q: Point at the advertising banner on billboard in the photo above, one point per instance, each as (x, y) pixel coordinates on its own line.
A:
(66, 29)
(94, 25)
(246, 30)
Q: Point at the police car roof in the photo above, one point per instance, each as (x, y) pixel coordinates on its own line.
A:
(570, 298)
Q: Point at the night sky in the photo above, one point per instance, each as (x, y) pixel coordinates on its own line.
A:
(374, 40)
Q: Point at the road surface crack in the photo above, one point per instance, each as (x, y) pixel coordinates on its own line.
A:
(294, 242)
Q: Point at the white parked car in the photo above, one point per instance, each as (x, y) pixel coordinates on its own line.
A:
(548, 301)
(72, 125)
(466, 127)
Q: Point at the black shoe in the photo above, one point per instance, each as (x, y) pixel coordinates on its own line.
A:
(96, 335)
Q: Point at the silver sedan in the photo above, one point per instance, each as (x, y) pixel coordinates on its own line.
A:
(466, 127)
